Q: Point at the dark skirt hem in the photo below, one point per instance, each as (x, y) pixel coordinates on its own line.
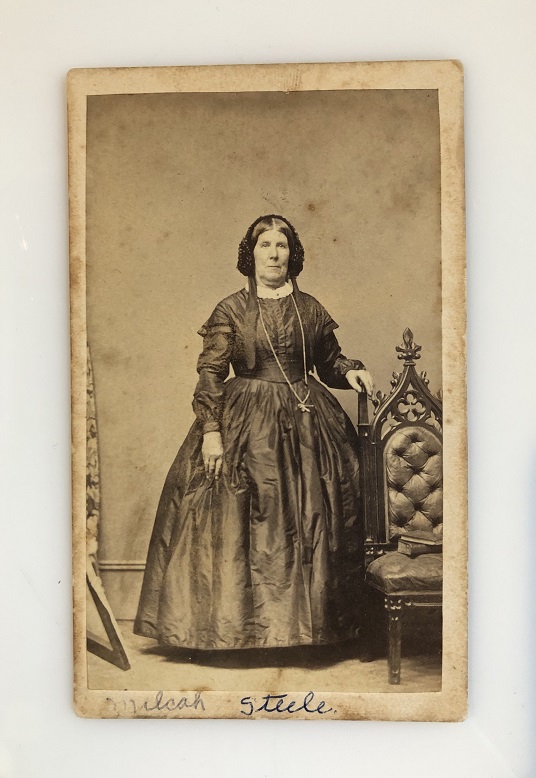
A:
(145, 630)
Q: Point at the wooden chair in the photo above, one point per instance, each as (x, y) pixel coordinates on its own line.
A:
(402, 480)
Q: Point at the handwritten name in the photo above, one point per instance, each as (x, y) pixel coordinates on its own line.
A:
(280, 703)
(160, 703)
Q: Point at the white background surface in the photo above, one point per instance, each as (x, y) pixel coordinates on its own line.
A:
(39, 42)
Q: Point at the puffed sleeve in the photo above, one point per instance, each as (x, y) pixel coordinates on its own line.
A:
(213, 369)
(331, 364)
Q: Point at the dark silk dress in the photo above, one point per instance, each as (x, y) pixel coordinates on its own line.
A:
(271, 554)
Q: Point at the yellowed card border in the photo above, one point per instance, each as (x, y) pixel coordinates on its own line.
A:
(450, 704)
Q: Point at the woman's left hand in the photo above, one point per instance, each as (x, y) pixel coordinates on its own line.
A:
(359, 380)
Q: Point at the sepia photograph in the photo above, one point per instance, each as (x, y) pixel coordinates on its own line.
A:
(268, 316)
(267, 282)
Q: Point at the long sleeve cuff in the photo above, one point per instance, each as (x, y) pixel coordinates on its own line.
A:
(344, 365)
(211, 426)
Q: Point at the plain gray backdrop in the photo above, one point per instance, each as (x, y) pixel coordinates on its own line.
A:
(39, 733)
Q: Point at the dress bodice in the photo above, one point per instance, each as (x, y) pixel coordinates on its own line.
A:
(230, 339)
(283, 328)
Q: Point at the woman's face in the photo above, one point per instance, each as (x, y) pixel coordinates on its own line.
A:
(271, 254)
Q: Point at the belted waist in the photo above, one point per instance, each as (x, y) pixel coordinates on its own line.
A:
(271, 372)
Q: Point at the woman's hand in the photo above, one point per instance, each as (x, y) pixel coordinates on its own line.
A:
(212, 452)
(359, 380)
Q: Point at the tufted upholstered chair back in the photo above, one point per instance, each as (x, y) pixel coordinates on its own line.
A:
(413, 481)
(402, 473)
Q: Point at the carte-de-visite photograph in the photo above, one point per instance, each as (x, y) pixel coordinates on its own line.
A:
(268, 339)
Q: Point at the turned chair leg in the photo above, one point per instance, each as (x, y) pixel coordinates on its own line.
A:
(394, 610)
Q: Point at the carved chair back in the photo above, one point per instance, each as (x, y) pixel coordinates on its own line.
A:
(402, 468)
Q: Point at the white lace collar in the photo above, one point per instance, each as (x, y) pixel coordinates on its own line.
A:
(267, 293)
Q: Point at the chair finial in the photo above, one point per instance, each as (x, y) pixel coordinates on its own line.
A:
(409, 352)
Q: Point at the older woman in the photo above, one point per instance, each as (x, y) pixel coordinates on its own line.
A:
(258, 540)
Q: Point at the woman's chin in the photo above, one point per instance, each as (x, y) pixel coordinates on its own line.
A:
(273, 279)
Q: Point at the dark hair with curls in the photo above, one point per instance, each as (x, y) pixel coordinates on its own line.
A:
(246, 260)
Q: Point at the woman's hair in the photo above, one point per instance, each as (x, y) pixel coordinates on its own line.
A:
(246, 260)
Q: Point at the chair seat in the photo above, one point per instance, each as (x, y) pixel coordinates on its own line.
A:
(394, 572)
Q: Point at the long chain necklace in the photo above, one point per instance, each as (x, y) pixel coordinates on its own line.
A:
(302, 404)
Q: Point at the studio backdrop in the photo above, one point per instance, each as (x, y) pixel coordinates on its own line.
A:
(173, 182)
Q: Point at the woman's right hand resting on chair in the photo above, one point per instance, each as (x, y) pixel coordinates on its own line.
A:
(212, 454)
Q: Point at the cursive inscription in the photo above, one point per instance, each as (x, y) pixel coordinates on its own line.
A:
(158, 704)
(161, 703)
(280, 703)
